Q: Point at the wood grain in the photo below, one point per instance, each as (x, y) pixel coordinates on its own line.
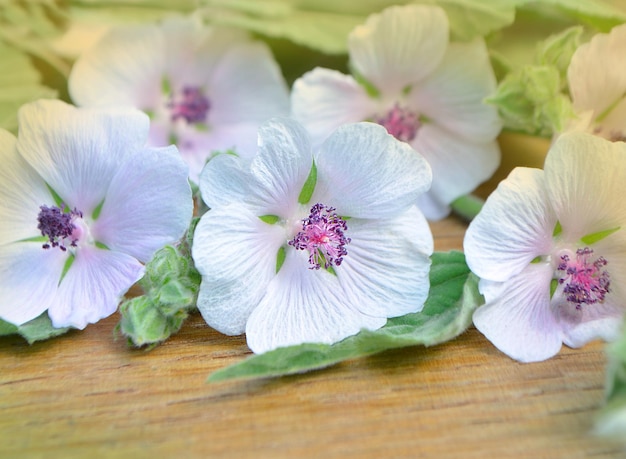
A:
(86, 395)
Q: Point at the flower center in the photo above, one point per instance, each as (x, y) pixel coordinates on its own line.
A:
(58, 225)
(189, 104)
(586, 281)
(323, 236)
(401, 123)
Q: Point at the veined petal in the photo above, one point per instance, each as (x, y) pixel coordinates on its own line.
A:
(93, 287)
(519, 321)
(385, 273)
(281, 167)
(29, 276)
(458, 165)
(247, 86)
(586, 183)
(236, 254)
(193, 49)
(367, 173)
(452, 96)
(18, 208)
(303, 306)
(78, 151)
(399, 46)
(595, 81)
(224, 180)
(148, 204)
(514, 227)
(324, 99)
(124, 68)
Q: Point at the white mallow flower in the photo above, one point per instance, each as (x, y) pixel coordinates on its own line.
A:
(424, 90)
(597, 83)
(206, 89)
(313, 245)
(83, 203)
(550, 249)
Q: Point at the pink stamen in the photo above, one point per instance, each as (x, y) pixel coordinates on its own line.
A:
(323, 236)
(57, 224)
(585, 282)
(401, 123)
(190, 104)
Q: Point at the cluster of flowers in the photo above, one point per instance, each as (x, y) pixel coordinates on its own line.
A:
(318, 198)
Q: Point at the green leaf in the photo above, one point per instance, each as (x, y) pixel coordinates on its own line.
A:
(595, 13)
(324, 25)
(38, 329)
(611, 419)
(447, 313)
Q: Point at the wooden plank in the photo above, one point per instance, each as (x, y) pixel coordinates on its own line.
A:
(86, 395)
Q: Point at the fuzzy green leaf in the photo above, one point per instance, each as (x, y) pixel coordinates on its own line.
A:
(611, 420)
(38, 329)
(446, 314)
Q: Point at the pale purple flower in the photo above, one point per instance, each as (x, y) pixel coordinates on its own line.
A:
(550, 249)
(206, 89)
(83, 203)
(597, 83)
(426, 91)
(313, 245)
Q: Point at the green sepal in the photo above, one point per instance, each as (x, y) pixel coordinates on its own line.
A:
(38, 329)
(280, 258)
(558, 229)
(66, 267)
(447, 313)
(590, 239)
(96, 212)
(57, 199)
(309, 186)
(270, 219)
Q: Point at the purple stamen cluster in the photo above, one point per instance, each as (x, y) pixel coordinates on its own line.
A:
(190, 104)
(323, 236)
(57, 225)
(401, 123)
(585, 282)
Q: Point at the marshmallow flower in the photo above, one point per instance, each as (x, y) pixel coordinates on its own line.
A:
(205, 89)
(549, 247)
(313, 245)
(597, 83)
(82, 204)
(424, 90)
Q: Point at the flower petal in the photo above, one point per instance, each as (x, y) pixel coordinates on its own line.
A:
(148, 204)
(452, 96)
(385, 273)
(78, 151)
(323, 99)
(247, 86)
(399, 46)
(124, 68)
(514, 226)
(236, 254)
(29, 276)
(22, 191)
(366, 173)
(458, 165)
(595, 82)
(281, 167)
(224, 181)
(303, 306)
(586, 183)
(93, 287)
(519, 321)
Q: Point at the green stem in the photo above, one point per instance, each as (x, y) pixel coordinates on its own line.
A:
(467, 206)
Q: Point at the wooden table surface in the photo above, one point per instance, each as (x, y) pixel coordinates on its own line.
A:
(86, 395)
